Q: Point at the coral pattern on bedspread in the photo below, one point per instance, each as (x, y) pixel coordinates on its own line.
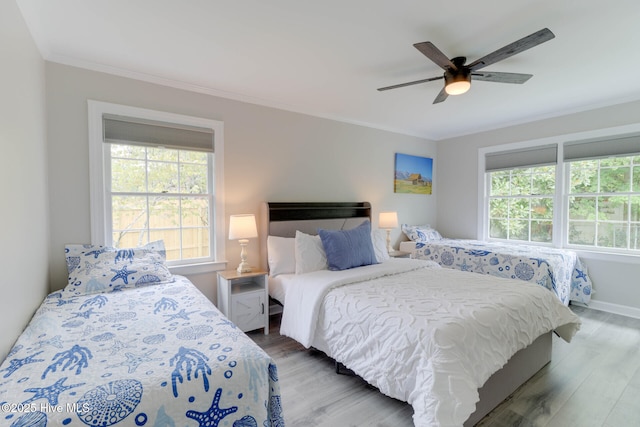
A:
(158, 355)
(558, 270)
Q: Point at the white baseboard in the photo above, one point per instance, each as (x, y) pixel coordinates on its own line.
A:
(608, 307)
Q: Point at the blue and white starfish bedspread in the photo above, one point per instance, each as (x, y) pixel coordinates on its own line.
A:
(558, 270)
(159, 355)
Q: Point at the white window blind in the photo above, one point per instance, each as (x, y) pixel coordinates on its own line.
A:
(602, 148)
(121, 129)
(525, 157)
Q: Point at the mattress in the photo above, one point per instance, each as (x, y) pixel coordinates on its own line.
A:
(153, 355)
(420, 333)
(276, 287)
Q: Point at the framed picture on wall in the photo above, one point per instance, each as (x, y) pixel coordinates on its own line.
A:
(413, 174)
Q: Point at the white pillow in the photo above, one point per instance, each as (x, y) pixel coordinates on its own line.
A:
(310, 254)
(281, 254)
(379, 240)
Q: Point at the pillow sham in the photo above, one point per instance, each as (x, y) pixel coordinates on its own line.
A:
(281, 255)
(421, 233)
(96, 269)
(310, 254)
(348, 248)
(379, 242)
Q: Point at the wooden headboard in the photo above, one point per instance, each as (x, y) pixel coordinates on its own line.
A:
(284, 218)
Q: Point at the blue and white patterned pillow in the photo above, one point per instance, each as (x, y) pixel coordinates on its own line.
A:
(421, 233)
(95, 269)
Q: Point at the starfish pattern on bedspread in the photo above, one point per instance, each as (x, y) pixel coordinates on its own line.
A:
(89, 267)
(182, 314)
(122, 274)
(51, 393)
(479, 262)
(135, 360)
(84, 314)
(215, 414)
(54, 342)
(16, 364)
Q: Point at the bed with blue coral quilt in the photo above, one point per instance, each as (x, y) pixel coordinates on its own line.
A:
(127, 343)
(558, 270)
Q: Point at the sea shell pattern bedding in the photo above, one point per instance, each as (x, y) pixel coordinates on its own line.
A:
(558, 270)
(157, 355)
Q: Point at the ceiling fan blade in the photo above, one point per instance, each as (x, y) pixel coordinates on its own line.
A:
(430, 79)
(491, 76)
(511, 49)
(429, 50)
(441, 96)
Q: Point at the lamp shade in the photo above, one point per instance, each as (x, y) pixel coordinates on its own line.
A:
(388, 220)
(242, 227)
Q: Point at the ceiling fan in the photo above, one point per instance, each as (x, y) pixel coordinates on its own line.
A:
(457, 76)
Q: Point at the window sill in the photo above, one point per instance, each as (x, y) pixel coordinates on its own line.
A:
(607, 256)
(199, 268)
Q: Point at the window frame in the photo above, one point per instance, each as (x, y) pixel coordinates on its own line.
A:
(561, 199)
(568, 195)
(99, 174)
(489, 197)
(484, 189)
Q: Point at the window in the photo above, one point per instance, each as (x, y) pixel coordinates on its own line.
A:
(604, 203)
(521, 204)
(156, 176)
(520, 194)
(590, 201)
(160, 193)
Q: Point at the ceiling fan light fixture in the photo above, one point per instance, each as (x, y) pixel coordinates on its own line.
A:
(457, 88)
(457, 84)
(457, 75)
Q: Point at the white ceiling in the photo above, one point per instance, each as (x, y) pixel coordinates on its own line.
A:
(328, 57)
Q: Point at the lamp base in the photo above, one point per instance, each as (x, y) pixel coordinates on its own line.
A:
(243, 268)
(244, 265)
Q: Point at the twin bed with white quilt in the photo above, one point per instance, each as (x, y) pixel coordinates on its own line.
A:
(559, 270)
(127, 343)
(452, 344)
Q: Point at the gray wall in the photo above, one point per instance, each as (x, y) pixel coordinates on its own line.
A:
(269, 155)
(24, 213)
(616, 279)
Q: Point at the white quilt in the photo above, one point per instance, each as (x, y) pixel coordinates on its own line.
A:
(422, 334)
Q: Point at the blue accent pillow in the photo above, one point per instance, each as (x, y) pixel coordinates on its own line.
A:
(348, 248)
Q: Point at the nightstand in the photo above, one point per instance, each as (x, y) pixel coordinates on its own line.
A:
(399, 254)
(244, 299)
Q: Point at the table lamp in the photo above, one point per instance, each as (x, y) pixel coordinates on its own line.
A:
(241, 228)
(388, 220)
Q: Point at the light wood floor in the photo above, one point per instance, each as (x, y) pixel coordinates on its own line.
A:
(593, 381)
